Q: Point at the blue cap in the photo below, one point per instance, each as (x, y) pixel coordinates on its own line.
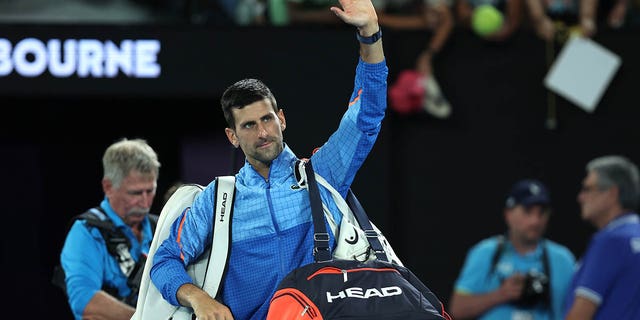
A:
(528, 192)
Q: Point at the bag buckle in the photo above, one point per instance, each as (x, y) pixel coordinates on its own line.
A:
(322, 254)
(321, 251)
(324, 237)
(370, 233)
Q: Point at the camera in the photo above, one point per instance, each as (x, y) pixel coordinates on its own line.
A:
(535, 290)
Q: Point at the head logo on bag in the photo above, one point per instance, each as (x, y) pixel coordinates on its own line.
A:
(223, 206)
(361, 293)
(354, 239)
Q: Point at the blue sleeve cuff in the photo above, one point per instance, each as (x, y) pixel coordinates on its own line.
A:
(172, 277)
(372, 67)
(178, 279)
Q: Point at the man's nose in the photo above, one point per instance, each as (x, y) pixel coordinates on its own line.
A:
(147, 198)
(262, 131)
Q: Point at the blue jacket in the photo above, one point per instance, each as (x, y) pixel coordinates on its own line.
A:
(272, 232)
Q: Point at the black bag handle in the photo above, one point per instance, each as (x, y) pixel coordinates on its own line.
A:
(365, 225)
(321, 250)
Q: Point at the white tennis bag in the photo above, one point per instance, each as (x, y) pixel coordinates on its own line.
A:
(151, 305)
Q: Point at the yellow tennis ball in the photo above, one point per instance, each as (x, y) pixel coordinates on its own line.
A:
(486, 20)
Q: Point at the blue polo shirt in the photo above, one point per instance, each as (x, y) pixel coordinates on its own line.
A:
(476, 276)
(609, 272)
(88, 265)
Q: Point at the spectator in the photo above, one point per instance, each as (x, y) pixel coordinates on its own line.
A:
(249, 12)
(302, 12)
(312, 12)
(225, 12)
(620, 14)
(555, 19)
(520, 275)
(421, 15)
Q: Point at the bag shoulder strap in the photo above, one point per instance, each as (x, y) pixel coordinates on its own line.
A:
(365, 224)
(209, 276)
(321, 250)
(94, 217)
(150, 304)
(118, 244)
(221, 242)
(354, 205)
(500, 244)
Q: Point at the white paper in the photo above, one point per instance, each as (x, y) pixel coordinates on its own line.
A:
(582, 72)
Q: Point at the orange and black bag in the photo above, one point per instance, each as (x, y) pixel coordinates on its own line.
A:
(349, 289)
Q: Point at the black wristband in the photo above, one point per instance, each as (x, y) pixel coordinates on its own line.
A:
(369, 40)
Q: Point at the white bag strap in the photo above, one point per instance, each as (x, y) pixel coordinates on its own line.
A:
(220, 244)
(353, 212)
(151, 305)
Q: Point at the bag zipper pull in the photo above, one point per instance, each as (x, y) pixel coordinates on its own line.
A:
(344, 275)
(306, 308)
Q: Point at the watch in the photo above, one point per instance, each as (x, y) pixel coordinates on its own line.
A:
(371, 39)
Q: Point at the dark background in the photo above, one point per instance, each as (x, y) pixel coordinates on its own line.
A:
(435, 187)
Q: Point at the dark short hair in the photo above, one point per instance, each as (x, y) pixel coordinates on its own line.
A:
(615, 170)
(243, 93)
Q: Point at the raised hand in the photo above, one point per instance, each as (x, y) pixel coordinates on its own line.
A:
(359, 13)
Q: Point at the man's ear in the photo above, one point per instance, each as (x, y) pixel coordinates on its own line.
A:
(231, 135)
(614, 191)
(283, 121)
(507, 215)
(107, 186)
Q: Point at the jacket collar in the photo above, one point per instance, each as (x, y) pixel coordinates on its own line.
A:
(281, 168)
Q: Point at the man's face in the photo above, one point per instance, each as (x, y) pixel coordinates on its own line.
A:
(133, 198)
(527, 223)
(258, 132)
(594, 202)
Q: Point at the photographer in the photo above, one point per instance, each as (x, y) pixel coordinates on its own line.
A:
(519, 275)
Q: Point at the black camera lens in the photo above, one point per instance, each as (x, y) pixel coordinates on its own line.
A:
(534, 291)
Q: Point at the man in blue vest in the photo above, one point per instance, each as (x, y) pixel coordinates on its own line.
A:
(519, 275)
(99, 275)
